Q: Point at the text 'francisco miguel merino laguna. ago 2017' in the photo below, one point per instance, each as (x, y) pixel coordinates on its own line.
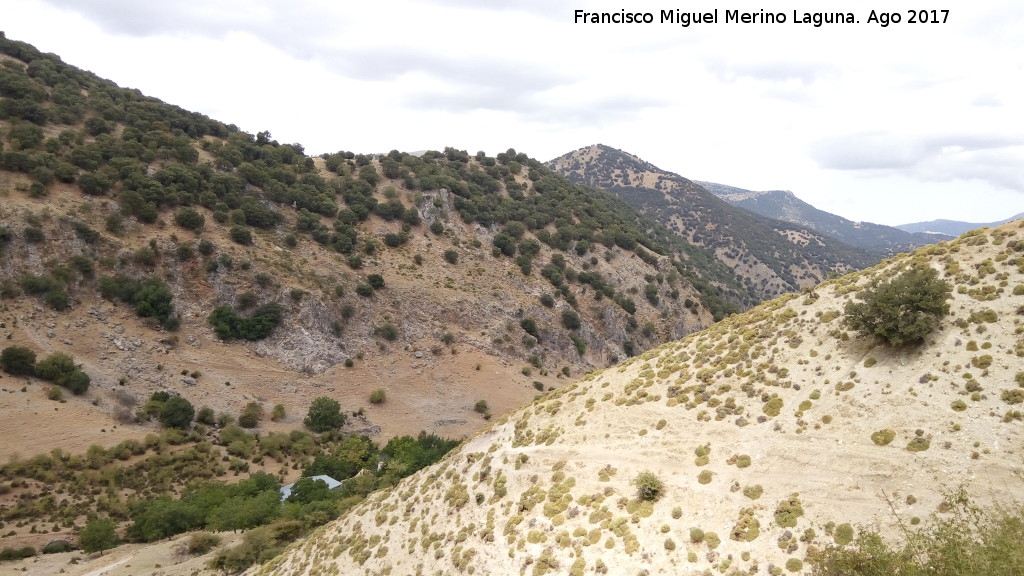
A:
(816, 19)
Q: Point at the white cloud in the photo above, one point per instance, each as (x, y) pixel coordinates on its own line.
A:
(918, 112)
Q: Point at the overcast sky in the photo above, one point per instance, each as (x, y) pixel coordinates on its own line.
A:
(889, 124)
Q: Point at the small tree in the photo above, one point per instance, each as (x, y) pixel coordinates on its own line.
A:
(324, 414)
(98, 535)
(308, 490)
(18, 360)
(903, 310)
(177, 412)
(376, 281)
(570, 319)
(189, 218)
(241, 235)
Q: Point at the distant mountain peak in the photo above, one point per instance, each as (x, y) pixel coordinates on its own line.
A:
(951, 227)
(772, 256)
(785, 205)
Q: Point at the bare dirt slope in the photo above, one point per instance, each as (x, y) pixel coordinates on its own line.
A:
(775, 433)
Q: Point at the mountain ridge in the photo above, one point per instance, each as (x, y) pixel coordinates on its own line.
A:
(786, 206)
(951, 227)
(772, 256)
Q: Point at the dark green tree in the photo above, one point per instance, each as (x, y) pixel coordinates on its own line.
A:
(530, 326)
(189, 218)
(376, 281)
(18, 360)
(902, 310)
(324, 414)
(571, 320)
(177, 412)
(241, 235)
(98, 535)
(60, 368)
(163, 517)
(308, 490)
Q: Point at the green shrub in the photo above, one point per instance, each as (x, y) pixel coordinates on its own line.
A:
(228, 325)
(189, 218)
(241, 235)
(753, 492)
(251, 415)
(10, 553)
(983, 361)
(883, 437)
(571, 320)
(206, 416)
(378, 396)
(918, 444)
(177, 412)
(648, 486)
(18, 360)
(788, 511)
(324, 414)
(903, 310)
(246, 300)
(388, 332)
(451, 256)
(278, 413)
(60, 369)
(151, 297)
(773, 406)
(1015, 396)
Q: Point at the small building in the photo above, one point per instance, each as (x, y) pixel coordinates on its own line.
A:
(286, 491)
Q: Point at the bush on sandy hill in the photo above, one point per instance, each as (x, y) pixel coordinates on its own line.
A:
(903, 310)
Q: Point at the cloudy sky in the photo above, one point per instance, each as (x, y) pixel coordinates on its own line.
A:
(892, 124)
